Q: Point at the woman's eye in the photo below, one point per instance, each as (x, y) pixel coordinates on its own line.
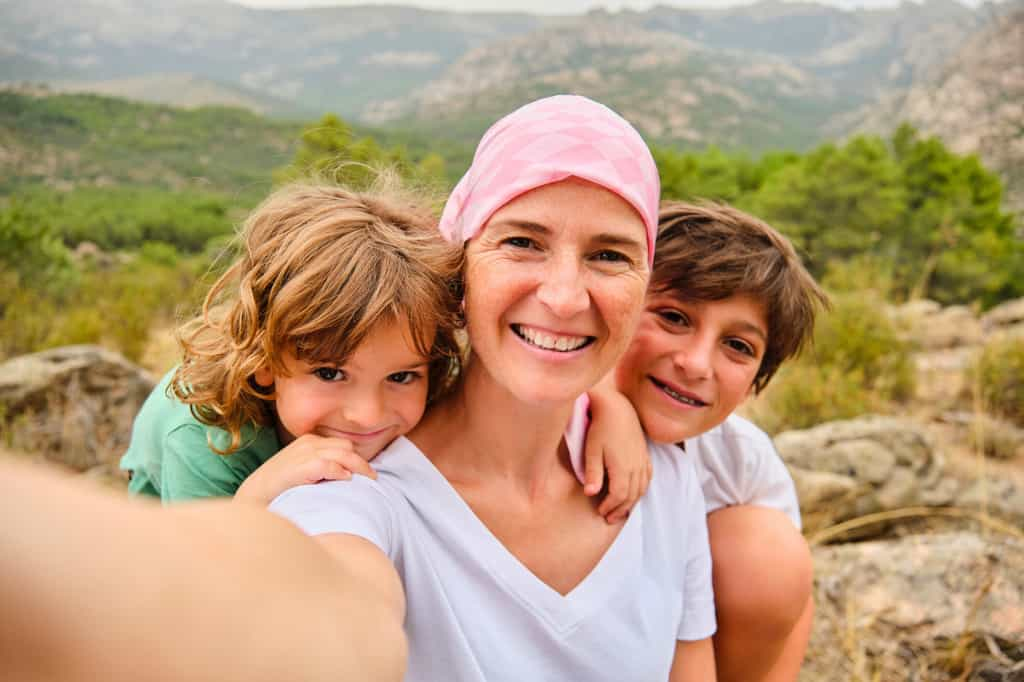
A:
(521, 242)
(609, 256)
(741, 346)
(329, 374)
(403, 377)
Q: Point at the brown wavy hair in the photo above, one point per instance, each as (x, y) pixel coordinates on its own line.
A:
(710, 252)
(320, 266)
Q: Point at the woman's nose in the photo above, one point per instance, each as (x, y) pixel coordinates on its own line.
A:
(563, 290)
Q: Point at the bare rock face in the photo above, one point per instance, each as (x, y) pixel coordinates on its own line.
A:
(895, 603)
(74, 405)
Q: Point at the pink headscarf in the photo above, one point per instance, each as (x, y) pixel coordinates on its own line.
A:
(550, 140)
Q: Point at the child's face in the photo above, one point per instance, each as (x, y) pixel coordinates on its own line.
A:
(691, 364)
(378, 394)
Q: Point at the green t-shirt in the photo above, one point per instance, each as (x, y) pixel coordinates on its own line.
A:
(170, 455)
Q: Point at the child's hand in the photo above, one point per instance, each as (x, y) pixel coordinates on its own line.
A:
(307, 459)
(615, 446)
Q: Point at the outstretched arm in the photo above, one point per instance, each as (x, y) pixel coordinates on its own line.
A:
(96, 586)
(693, 662)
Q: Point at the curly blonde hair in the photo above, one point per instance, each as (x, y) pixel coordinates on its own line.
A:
(320, 267)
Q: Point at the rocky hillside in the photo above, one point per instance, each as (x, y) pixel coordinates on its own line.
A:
(765, 75)
(974, 101)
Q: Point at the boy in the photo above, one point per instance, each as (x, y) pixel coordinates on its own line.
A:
(729, 301)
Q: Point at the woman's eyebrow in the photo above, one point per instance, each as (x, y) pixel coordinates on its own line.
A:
(527, 225)
(613, 239)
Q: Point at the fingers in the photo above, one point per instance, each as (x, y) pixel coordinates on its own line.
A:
(347, 458)
(593, 469)
(620, 486)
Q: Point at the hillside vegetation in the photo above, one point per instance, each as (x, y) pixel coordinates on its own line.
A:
(124, 228)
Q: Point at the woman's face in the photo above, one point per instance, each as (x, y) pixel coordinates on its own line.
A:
(554, 286)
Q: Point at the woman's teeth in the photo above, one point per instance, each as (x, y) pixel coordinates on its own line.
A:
(546, 341)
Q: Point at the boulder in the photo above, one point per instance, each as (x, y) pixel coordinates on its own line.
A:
(999, 438)
(999, 497)
(1009, 313)
(873, 464)
(74, 405)
(933, 327)
(937, 607)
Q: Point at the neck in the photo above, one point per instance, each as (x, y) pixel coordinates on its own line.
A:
(484, 432)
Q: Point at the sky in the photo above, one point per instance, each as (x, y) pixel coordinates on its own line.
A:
(547, 6)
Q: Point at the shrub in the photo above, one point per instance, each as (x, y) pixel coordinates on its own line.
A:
(1000, 375)
(116, 307)
(857, 365)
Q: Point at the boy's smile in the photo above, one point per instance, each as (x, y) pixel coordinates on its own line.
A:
(691, 364)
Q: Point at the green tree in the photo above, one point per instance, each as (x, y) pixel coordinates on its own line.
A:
(957, 243)
(836, 202)
(329, 150)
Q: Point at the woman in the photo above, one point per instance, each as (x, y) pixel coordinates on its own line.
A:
(476, 536)
(508, 571)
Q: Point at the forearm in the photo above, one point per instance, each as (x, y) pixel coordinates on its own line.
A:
(101, 587)
(693, 662)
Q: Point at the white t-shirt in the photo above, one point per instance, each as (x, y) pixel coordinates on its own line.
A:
(475, 613)
(739, 465)
(737, 461)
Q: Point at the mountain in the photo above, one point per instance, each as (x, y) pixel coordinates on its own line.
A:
(768, 75)
(674, 89)
(974, 101)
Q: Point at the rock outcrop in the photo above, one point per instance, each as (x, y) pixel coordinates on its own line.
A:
(74, 405)
(851, 468)
(900, 607)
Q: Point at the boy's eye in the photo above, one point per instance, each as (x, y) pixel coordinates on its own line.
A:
(329, 374)
(674, 317)
(406, 377)
(741, 346)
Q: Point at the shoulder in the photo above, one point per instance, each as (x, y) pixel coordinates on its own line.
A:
(676, 479)
(737, 434)
(370, 509)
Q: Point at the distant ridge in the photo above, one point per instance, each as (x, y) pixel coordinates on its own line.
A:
(185, 90)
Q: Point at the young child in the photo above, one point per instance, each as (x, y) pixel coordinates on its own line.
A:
(728, 303)
(319, 346)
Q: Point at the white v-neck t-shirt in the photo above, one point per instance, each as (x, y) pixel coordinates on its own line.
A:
(475, 612)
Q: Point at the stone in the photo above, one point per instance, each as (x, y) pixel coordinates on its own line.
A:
(74, 405)
(999, 438)
(932, 327)
(871, 463)
(1004, 315)
(897, 608)
(1000, 497)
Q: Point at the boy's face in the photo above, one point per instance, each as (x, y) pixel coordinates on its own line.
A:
(376, 395)
(691, 364)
